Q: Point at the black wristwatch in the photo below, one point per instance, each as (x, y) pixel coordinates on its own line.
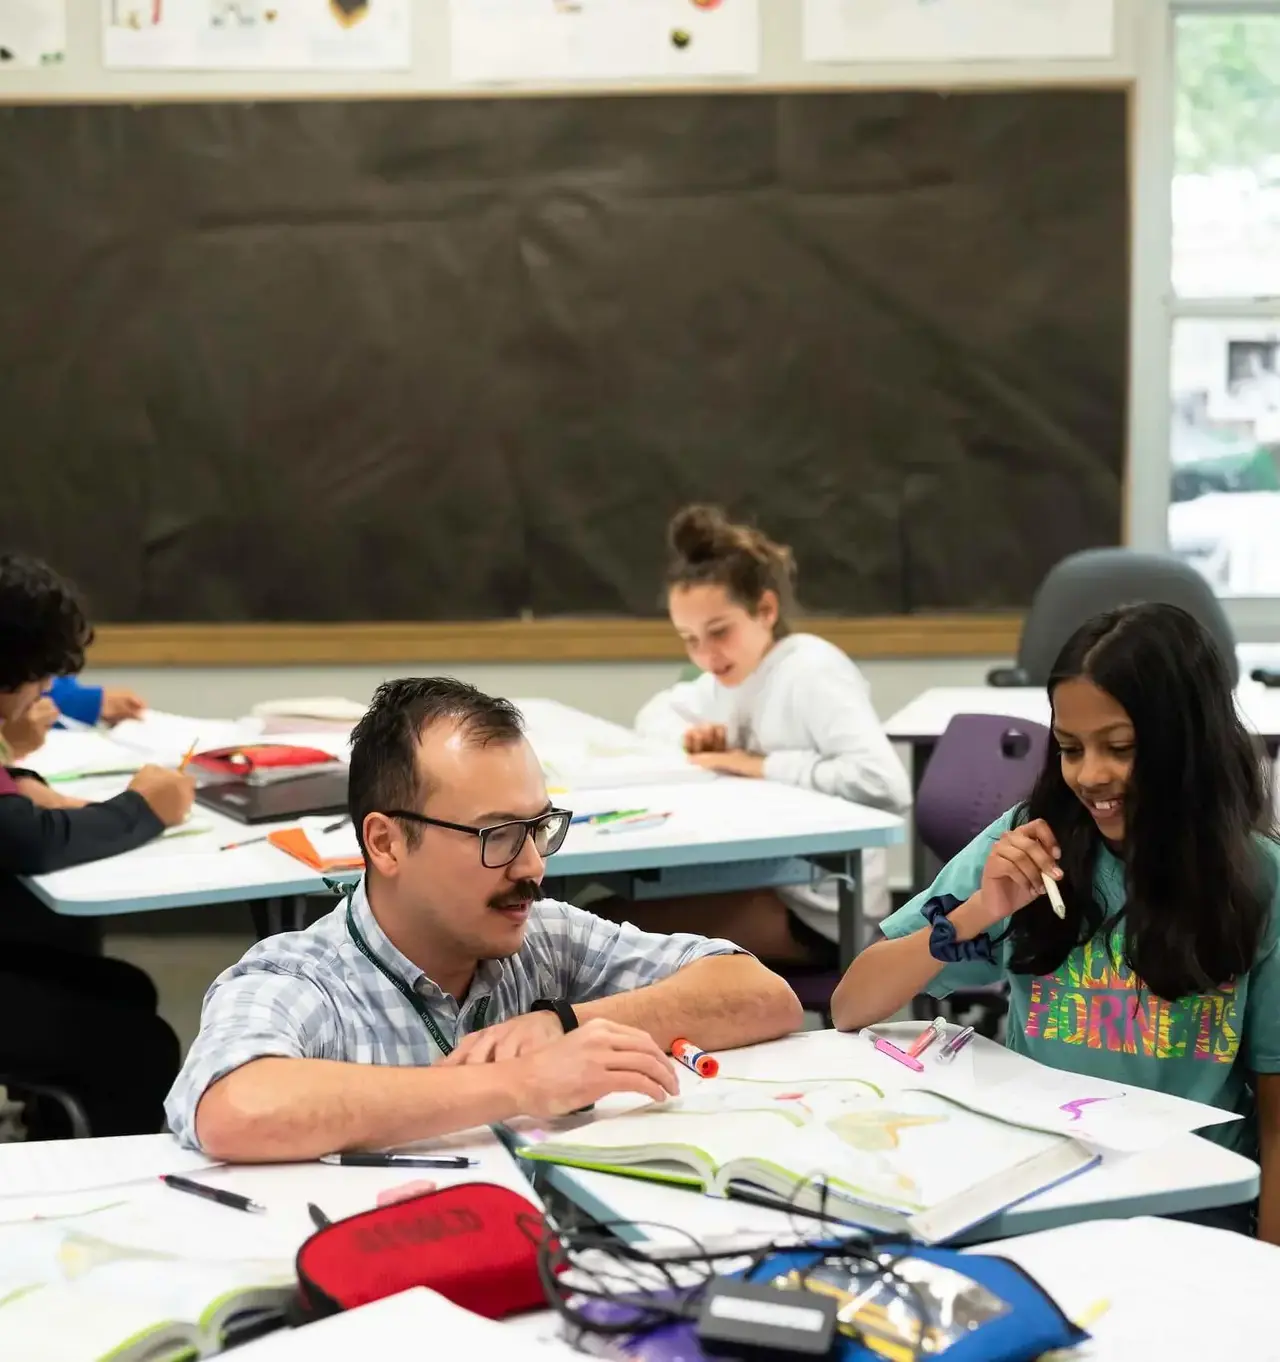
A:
(568, 1020)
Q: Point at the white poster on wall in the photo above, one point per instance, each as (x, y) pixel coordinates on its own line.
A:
(273, 35)
(32, 32)
(542, 40)
(957, 30)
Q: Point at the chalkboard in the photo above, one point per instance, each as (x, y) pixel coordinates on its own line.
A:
(460, 359)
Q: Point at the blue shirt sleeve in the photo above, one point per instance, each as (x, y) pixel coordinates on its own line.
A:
(960, 877)
(83, 703)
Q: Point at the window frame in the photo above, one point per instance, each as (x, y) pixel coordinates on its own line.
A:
(1154, 307)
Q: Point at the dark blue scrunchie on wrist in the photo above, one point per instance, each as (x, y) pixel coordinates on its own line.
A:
(943, 944)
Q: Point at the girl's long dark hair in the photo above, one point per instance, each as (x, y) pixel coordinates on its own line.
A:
(1199, 883)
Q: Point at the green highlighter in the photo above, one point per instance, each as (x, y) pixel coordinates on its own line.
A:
(613, 816)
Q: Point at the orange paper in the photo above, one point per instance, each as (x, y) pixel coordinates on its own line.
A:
(296, 842)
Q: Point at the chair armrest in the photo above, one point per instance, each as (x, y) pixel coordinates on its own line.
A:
(1007, 677)
(77, 1117)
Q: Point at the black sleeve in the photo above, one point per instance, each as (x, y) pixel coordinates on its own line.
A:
(34, 841)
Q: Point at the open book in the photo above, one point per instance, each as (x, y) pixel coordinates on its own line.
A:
(85, 1287)
(898, 1162)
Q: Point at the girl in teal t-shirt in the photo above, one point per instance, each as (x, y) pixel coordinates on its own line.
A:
(1152, 814)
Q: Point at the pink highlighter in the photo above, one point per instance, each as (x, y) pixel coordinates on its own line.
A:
(911, 1057)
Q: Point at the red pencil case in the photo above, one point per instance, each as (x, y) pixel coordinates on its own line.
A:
(240, 761)
(476, 1244)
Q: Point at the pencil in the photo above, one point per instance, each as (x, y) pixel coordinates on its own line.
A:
(191, 751)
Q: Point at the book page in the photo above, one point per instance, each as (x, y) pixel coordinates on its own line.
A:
(904, 1150)
(84, 1284)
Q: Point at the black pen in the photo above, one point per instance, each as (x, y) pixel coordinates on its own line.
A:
(333, 827)
(232, 1199)
(318, 1217)
(378, 1160)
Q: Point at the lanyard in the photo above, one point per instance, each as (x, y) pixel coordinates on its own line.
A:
(445, 1047)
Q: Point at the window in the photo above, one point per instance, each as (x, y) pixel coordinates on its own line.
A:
(1224, 513)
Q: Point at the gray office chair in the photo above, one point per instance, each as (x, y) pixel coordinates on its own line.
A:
(1088, 583)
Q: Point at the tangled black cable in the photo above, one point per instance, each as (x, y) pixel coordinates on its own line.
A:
(585, 1269)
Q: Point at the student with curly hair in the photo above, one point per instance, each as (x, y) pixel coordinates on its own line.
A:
(67, 1017)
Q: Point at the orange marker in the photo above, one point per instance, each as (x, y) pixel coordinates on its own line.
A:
(688, 1054)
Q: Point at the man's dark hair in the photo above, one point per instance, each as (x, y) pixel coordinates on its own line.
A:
(384, 743)
(43, 628)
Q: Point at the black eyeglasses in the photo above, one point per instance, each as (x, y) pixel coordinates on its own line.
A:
(501, 843)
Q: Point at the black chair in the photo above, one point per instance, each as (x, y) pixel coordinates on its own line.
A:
(40, 1097)
(1088, 583)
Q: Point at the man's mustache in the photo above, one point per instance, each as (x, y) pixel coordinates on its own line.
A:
(524, 891)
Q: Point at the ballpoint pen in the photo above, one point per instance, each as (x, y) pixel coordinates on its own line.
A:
(218, 1194)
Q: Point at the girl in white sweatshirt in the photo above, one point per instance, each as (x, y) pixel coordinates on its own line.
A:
(769, 705)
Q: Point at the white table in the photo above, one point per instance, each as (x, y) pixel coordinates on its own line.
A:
(723, 834)
(1189, 1173)
(922, 722)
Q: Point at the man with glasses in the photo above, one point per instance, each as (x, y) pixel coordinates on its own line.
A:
(444, 992)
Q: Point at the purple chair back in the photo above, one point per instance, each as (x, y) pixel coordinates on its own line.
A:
(982, 765)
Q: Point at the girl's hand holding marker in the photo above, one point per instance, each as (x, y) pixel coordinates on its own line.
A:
(1023, 864)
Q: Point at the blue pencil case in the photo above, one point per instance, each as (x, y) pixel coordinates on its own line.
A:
(1002, 1315)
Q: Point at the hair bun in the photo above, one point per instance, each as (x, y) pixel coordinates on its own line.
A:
(699, 534)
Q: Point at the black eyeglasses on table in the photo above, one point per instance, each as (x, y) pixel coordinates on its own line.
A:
(501, 843)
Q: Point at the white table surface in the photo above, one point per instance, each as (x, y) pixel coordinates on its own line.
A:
(1188, 1173)
(718, 821)
(1121, 1263)
(925, 718)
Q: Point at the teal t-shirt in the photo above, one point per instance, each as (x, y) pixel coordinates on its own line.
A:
(1092, 1017)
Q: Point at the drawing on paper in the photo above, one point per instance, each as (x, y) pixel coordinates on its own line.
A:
(32, 32)
(1075, 1109)
(527, 40)
(281, 35)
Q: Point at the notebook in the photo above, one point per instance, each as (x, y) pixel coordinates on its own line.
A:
(322, 851)
(322, 791)
(108, 1286)
(899, 1162)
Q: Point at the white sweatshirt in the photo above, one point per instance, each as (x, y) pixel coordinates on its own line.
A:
(807, 709)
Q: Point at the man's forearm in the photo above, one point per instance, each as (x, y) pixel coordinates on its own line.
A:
(277, 1109)
(718, 1003)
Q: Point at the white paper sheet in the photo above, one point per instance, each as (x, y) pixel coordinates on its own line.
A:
(279, 35)
(957, 30)
(32, 32)
(166, 738)
(388, 1327)
(48, 1167)
(67, 753)
(1154, 1288)
(522, 40)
